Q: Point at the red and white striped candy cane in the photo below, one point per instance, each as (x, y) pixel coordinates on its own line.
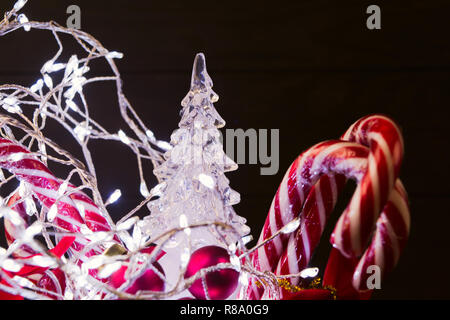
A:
(53, 281)
(384, 251)
(329, 156)
(335, 156)
(316, 210)
(386, 152)
(315, 213)
(44, 185)
(383, 137)
(389, 239)
(11, 228)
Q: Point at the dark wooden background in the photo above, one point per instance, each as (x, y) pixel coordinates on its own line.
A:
(308, 68)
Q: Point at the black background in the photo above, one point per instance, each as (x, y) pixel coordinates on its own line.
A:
(308, 68)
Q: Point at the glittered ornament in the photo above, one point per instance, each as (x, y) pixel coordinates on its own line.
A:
(148, 281)
(221, 283)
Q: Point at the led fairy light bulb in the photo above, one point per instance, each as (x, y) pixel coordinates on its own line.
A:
(19, 4)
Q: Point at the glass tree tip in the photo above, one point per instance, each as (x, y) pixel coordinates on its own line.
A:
(200, 78)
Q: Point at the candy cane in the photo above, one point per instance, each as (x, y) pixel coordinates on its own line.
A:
(11, 229)
(384, 251)
(330, 156)
(53, 281)
(389, 239)
(393, 235)
(315, 213)
(44, 185)
(316, 210)
(383, 137)
(386, 152)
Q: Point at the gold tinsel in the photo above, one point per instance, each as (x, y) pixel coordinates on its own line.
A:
(315, 284)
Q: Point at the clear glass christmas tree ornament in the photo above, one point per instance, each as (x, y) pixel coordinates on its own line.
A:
(194, 167)
(196, 191)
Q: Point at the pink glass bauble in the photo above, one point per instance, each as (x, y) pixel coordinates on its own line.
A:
(149, 281)
(222, 283)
